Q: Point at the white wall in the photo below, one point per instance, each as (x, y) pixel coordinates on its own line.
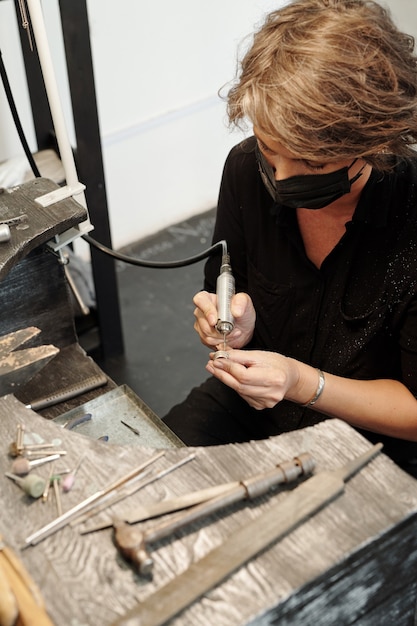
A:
(158, 67)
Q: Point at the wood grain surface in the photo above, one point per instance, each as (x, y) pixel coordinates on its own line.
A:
(351, 563)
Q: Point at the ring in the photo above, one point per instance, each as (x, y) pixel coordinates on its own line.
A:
(221, 354)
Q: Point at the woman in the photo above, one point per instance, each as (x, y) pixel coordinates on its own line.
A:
(319, 212)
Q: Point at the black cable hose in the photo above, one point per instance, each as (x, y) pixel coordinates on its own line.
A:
(93, 242)
(16, 119)
(155, 264)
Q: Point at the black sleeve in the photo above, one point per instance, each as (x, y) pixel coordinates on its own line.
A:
(239, 181)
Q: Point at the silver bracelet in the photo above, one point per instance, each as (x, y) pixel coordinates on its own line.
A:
(318, 391)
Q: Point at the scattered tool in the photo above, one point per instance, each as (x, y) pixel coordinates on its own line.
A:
(19, 436)
(225, 289)
(68, 481)
(132, 428)
(55, 483)
(77, 421)
(32, 484)
(22, 466)
(132, 542)
(257, 535)
(36, 453)
(76, 511)
(52, 478)
(17, 449)
(45, 493)
(73, 391)
(165, 506)
(130, 489)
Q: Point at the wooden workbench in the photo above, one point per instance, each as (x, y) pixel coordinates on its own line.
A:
(353, 562)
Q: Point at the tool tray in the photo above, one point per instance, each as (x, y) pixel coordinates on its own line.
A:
(110, 408)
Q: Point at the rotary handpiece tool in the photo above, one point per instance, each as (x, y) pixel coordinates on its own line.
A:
(225, 289)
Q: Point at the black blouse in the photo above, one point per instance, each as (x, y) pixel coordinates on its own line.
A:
(356, 316)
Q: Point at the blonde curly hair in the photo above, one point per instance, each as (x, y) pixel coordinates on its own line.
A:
(331, 79)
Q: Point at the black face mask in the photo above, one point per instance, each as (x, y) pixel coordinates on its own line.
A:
(310, 191)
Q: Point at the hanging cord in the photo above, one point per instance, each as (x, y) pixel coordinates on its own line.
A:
(90, 240)
(157, 264)
(16, 119)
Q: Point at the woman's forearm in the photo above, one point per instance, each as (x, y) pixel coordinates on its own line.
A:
(382, 406)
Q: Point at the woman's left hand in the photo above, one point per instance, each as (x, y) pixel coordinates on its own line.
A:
(261, 378)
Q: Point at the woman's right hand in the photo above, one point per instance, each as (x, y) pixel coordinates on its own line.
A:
(205, 313)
